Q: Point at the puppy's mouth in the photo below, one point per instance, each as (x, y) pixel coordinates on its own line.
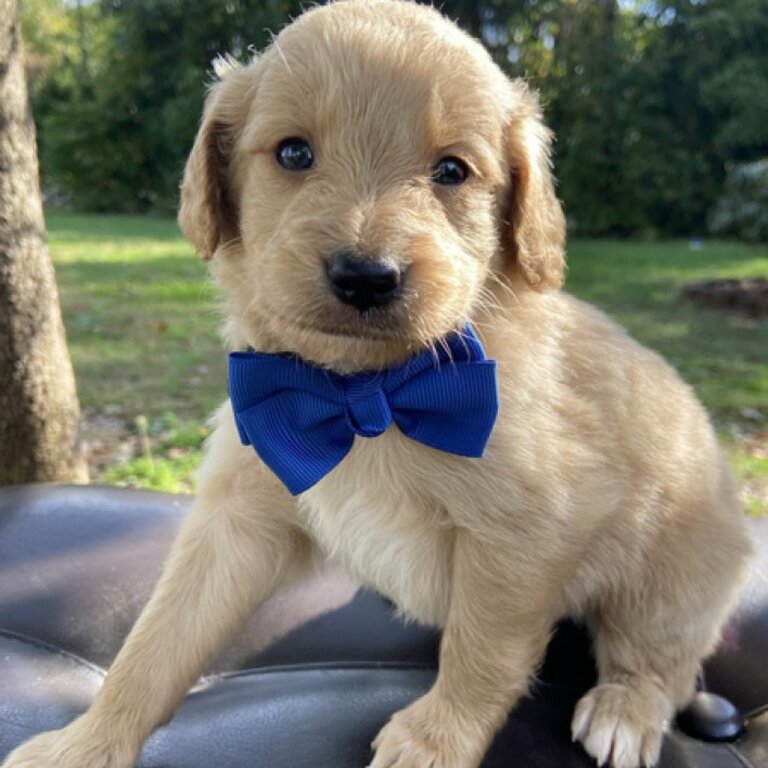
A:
(342, 341)
(367, 327)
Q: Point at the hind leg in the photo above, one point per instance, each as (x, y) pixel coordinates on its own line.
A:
(648, 657)
(622, 720)
(657, 616)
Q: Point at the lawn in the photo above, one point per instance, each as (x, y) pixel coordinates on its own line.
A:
(142, 324)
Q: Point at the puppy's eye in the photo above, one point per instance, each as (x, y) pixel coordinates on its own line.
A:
(450, 171)
(295, 155)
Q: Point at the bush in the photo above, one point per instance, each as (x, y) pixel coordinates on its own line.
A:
(742, 210)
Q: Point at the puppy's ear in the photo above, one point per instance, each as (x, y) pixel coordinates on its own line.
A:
(535, 236)
(208, 215)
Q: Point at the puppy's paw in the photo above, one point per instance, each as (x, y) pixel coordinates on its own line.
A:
(421, 737)
(622, 725)
(68, 749)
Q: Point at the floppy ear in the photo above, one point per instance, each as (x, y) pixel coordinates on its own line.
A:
(535, 236)
(208, 215)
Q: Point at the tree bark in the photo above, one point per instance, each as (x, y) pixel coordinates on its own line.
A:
(39, 411)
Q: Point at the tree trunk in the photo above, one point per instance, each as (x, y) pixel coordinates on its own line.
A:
(39, 412)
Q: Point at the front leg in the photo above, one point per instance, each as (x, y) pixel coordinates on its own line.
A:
(496, 633)
(238, 542)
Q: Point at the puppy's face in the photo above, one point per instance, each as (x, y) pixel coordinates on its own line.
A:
(361, 182)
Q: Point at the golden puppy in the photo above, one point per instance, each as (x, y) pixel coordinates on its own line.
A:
(377, 130)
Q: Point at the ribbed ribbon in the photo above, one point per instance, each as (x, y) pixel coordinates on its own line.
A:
(302, 420)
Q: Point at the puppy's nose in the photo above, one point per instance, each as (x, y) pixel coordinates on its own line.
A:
(362, 282)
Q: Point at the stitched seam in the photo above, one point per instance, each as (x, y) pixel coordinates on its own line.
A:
(324, 666)
(741, 758)
(35, 642)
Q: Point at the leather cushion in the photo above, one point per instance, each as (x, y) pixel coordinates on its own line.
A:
(307, 716)
(78, 563)
(313, 676)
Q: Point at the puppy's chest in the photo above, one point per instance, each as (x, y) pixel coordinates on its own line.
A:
(373, 517)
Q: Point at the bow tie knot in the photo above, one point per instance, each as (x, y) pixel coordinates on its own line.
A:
(302, 420)
(368, 413)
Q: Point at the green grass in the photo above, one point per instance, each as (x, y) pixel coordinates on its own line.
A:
(139, 315)
(142, 329)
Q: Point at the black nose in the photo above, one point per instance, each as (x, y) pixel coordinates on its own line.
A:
(362, 282)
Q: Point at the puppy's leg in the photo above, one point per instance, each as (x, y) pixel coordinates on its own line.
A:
(237, 543)
(649, 645)
(622, 720)
(495, 635)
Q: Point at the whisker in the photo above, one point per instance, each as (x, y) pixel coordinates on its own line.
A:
(489, 300)
(505, 285)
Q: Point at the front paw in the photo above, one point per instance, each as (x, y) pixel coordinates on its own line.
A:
(72, 747)
(622, 725)
(426, 735)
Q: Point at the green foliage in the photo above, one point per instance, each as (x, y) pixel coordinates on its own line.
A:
(750, 462)
(732, 64)
(118, 115)
(742, 211)
(169, 460)
(49, 34)
(174, 475)
(650, 101)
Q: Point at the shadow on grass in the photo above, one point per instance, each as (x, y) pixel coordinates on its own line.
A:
(175, 265)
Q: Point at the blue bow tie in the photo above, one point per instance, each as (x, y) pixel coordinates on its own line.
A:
(302, 420)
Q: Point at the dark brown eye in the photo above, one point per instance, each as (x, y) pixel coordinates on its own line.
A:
(295, 155)
(450, 171)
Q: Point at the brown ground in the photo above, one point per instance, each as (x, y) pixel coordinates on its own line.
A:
(749, 297)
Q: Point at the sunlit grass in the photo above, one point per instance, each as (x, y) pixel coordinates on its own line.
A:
(139, 314)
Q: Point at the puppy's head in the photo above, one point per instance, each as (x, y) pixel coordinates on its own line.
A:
(361, 183)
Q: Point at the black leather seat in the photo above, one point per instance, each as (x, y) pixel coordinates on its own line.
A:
(314, 675)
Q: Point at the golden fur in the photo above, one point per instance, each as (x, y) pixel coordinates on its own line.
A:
(603, 493)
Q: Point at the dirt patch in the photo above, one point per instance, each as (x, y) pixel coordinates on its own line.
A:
(106, 441)
(748, 296)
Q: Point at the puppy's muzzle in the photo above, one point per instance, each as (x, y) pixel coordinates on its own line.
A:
(363, 282)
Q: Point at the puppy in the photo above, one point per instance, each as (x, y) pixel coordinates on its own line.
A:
(374, 133)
